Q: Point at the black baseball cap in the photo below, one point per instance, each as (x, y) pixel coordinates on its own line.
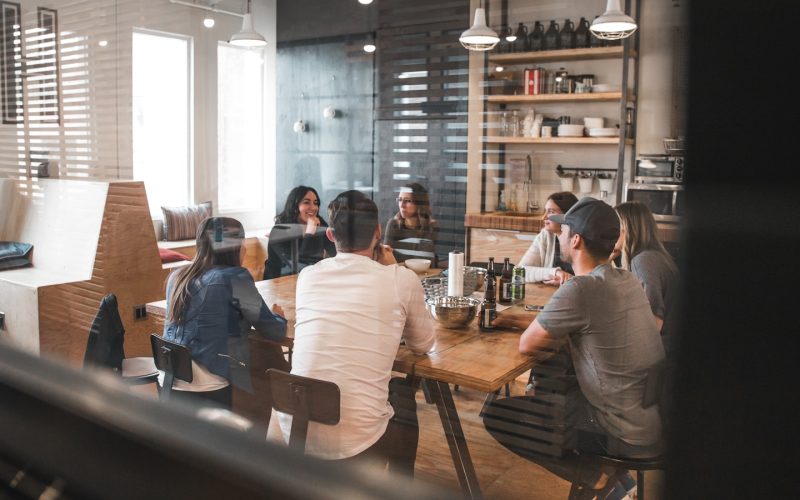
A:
(592, 219)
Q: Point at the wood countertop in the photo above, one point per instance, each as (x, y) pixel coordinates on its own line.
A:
(532, 223)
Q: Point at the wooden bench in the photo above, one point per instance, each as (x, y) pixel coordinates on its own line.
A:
(90, 238)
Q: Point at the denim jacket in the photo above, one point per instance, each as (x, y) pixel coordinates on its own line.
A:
(224, 305)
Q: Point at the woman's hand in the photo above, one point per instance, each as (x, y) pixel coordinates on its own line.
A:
(559, 278)
(276, 309)
(312, 224)
(384, 254)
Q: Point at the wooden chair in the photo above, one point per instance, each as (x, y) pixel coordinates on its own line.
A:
(105, 346)
(306, 399)
(657, 379)
(174, 360)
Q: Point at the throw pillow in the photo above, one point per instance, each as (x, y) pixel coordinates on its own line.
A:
(168, 255)
(180, 223)
(14, 254)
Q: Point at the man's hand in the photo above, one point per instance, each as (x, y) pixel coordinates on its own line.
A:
(384, 254)
(276, 309)
(508, 319)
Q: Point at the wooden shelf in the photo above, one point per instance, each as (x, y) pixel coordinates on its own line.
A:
(588, 97)
(553, 140)
(559, 55)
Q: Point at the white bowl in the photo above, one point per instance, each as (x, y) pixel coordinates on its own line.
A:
(590, 122)
(606, 87)
(603, 132)
(418, 265)
(568, 130)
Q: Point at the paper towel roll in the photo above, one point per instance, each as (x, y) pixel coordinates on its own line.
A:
(455, 274)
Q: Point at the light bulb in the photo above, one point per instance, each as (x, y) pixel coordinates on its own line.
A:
(102, 43)
(209, 22)
(369, 48)
(365, 2)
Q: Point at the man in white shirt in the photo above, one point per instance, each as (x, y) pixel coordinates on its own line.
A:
(352, 311)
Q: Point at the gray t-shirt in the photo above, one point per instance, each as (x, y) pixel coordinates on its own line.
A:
(660, 283)
(613, 341)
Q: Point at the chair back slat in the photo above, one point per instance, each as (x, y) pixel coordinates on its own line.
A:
(172, 358)
(306, 399)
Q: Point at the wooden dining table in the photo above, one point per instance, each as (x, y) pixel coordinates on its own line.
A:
(465, 356)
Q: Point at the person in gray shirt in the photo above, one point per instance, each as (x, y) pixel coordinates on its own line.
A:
(604, 317)
(645, 256)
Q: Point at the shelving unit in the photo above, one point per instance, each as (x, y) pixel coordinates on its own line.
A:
(625, 97)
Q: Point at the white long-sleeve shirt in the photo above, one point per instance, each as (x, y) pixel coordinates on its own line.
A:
(538, 259)
(351, 314)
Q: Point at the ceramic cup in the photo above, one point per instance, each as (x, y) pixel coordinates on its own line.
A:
(547, 131)
(585, 184)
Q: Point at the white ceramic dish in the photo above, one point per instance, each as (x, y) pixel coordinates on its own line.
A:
(603, 132)
(418, 265)
(569, 130)
(606, 87)
(592, 122)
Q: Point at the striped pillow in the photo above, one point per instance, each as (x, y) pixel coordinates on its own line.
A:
(180, 223)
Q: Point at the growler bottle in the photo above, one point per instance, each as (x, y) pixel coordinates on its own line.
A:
(536, 38)
(505, 283)
(489, 305)
(582, 34)
(566, 38)
(551, 37)
(521, 43)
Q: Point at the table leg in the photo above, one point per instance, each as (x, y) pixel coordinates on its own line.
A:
(441, 395)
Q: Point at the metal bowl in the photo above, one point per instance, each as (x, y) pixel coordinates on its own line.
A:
(453, 312)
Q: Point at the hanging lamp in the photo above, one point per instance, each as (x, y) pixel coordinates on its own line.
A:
(613, 24)
(248, 37)
(479, 37)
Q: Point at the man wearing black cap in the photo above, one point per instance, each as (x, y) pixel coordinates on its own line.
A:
(604, 316)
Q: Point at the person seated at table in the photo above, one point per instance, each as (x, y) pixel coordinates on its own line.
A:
(352, 311)
(412, 231)
(298, 224)
(604, 316)
(542, 260)
(644, 255)
(211, 305)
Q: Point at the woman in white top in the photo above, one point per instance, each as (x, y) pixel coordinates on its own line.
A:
(542, 261)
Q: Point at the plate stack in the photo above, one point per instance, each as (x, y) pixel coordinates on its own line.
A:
(603, 132)
(569, 130)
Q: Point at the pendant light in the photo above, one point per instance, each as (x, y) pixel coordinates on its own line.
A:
(479, 36)
(613, 24)
(248, 37)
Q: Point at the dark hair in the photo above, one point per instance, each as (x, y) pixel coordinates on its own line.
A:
(218, 243)
(354, 218)
(641, 232)
(423, 203)
(599, 249)
(564, 200)
(291, 212)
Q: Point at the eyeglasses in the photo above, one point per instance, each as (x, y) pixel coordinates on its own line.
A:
(404, 200)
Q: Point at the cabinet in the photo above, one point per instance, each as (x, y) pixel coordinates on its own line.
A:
(496, 146)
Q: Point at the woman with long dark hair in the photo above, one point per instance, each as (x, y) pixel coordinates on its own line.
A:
(211, 305)
(298, 224)
(412, 231)
(542, 260)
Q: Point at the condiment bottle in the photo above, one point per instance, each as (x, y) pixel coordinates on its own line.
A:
(505, 283)
(566, 38)
(489, 305)
(536, 38)
(551, 37)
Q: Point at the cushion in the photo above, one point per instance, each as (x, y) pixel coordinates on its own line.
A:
(168, 255)
(180, 223)
(14, 254)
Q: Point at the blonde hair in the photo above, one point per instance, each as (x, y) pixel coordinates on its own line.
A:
(641, 233)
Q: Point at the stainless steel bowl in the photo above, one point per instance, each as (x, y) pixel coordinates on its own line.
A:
(453, 312)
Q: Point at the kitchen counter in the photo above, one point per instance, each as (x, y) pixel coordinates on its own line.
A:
(518, 221)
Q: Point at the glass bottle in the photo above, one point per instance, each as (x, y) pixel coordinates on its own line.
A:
(566, 38)
(505, 283)
(505, 123)
(521, 43)
(551, 37)
(489, 305)
(536, 38)
(582, 34)
(513, 128)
